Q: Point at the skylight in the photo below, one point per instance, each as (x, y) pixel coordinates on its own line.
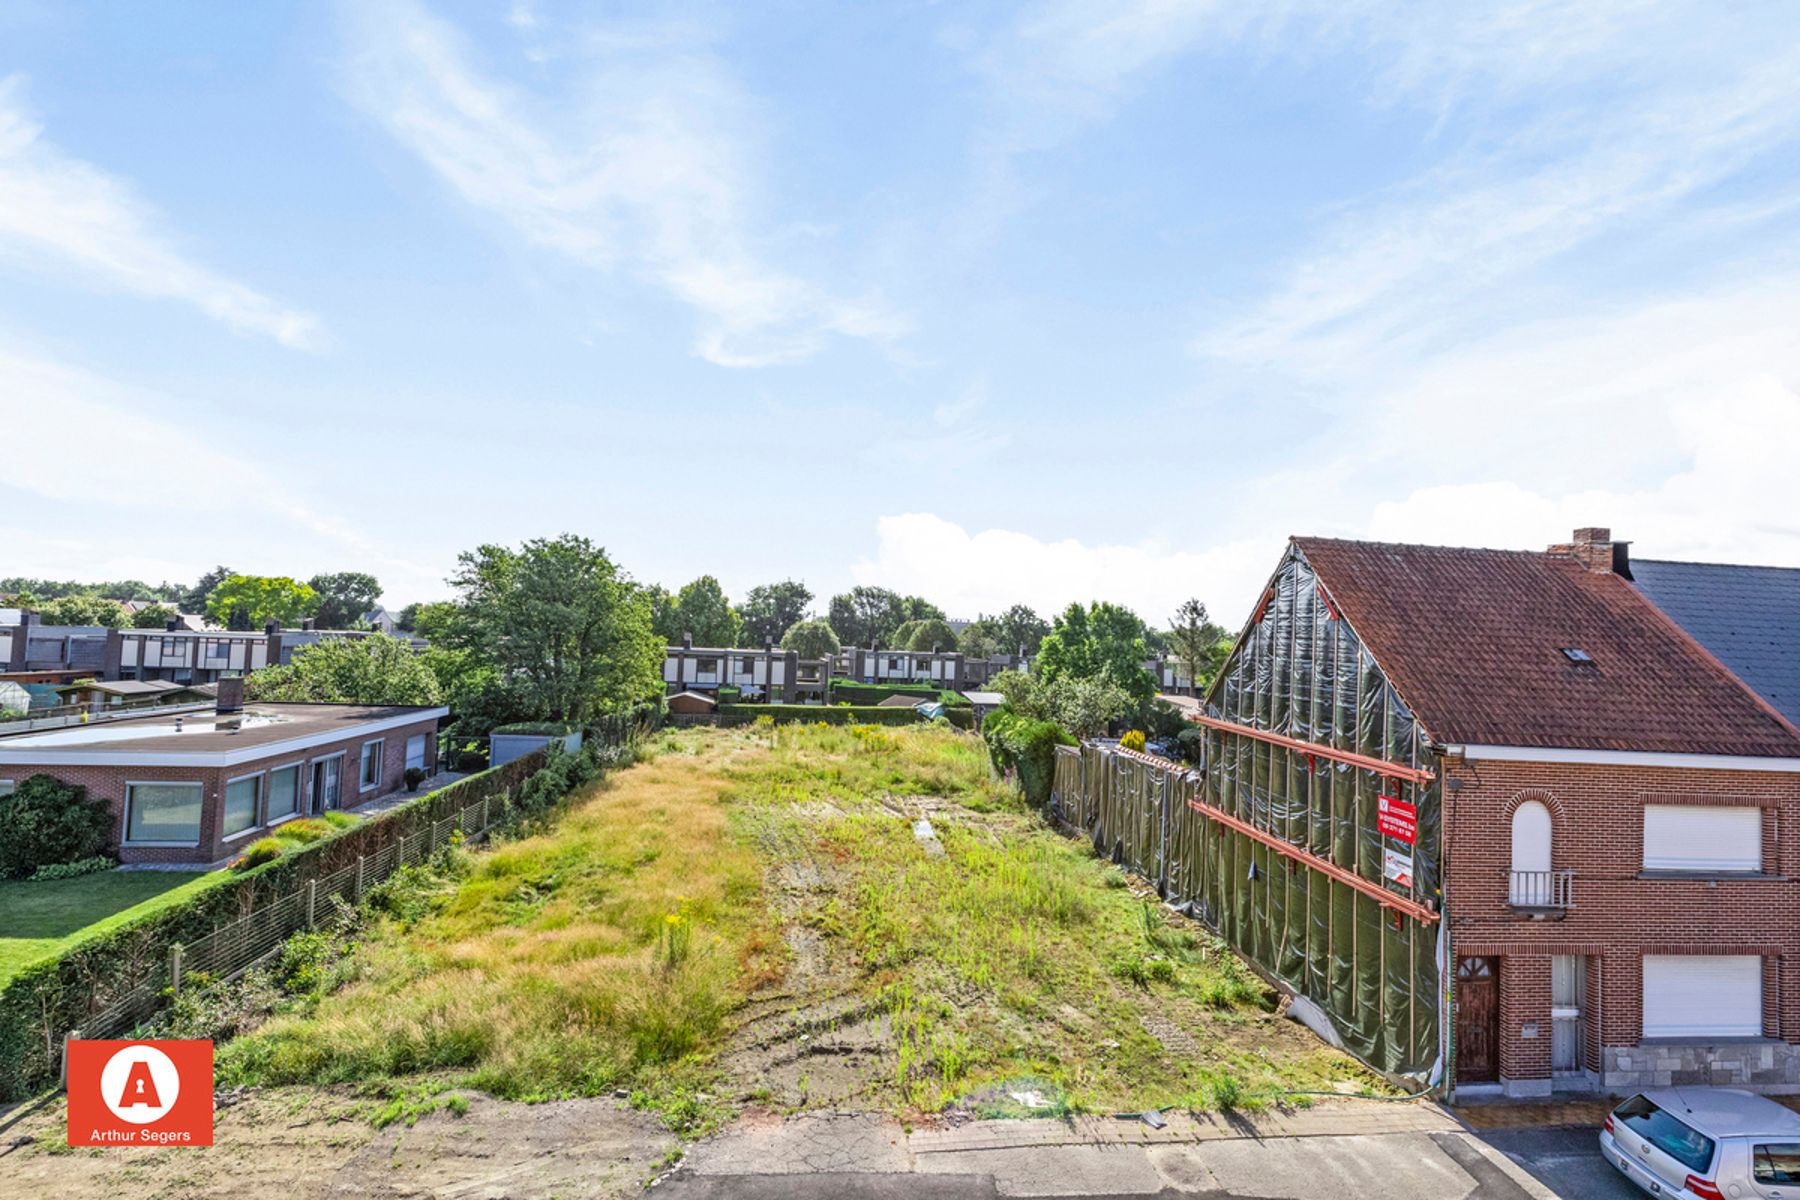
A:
(1577, 655)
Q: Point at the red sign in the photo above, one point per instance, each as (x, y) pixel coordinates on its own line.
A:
(1396, 818)
(140, 1093)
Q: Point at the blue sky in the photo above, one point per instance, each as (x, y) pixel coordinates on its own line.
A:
(990, 303)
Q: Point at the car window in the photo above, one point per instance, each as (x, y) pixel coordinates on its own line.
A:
(1777, 1163)
(1680, 1141)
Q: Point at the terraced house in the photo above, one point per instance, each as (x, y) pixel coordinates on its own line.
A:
(1510, 781)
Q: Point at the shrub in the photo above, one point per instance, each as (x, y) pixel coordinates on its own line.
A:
(257, 853)
(1189, 743)
(1027, 746)
(306, 830)
(848, 691)
(554, 729)
(414, 777)
(81, 866)
(48, 821)
(1133, 740)
(843, 714)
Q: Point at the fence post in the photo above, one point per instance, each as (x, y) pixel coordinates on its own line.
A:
(487, 813)
(74, 1035)
(175, 952)
(431, 841)
(312, 896)
(359, 878)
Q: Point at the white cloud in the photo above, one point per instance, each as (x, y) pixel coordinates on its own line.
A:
(645, 169)
(219, 499)
(61, 212)
(985, 572)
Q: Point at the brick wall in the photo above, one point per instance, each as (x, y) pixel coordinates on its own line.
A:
(108, 783)
(1617, 915)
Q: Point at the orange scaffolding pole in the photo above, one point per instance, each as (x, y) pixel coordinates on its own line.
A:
(1380, 766)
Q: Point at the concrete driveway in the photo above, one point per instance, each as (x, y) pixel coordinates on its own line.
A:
(1366, 1150)
(1565, 1160)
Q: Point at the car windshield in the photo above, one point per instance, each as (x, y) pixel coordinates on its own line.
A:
(1680, 1141)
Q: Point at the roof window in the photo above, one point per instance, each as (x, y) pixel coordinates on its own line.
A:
(1578, 656)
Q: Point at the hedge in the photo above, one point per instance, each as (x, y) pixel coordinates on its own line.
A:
(46, 1000)
(875, 693)
(841, 714)
(537, 728)
(1029, 747)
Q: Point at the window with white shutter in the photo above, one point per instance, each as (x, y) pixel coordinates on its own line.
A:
(1700, 837)
(1702, 995)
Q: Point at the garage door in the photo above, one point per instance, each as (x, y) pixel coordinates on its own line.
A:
(1702, 995)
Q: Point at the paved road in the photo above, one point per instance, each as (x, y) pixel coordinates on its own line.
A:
(1394, 1155)
(1567, 1161)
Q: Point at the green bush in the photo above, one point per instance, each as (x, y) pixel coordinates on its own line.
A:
(47, 821)
(260, 851)
(1132, 740)
(69, 870)
(1189, 743)
(553, 729)
(1025, 746)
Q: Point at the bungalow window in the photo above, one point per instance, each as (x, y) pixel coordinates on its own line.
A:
(242, 797)
(7, 787)
(284, 792)
(171, 647)
(1702, 838)
(371, 763)
(415, 752)
(706, 666)
(218, 650)
(163, 813)
(893, 664)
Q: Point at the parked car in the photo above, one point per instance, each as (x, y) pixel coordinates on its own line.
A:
(1705, 1143)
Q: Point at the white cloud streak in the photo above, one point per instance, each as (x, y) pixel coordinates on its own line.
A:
(59, 212)
(643, 171)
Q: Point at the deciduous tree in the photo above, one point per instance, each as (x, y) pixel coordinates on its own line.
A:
(250, 601)
(558, 620)
(344, 598)
(866, 615)
(814, 638)
(771, 609)
(1099, 641)
(83, 608)
(153, 616)
(702, 609)
(369, 670)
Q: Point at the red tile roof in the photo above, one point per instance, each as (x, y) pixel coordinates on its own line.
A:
(1474, 639)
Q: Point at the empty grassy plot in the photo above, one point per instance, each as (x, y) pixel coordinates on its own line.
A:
(564, 963)
(40, 919)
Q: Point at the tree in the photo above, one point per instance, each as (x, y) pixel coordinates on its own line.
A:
(1099, 641)
(83, 609)
(194, 599)
(702, 610)
(1020, 626)
(771, 609)
(665, 616)
(1196, 643)
(251, 601)
(344, 598)
(866, 615)
(153, 616)
(917, 608)
(980, 638)
(435, 622)
(369, 670)
(1083, 706)
(931, 633)
(557, 620)
(814, 638)
(48, 821)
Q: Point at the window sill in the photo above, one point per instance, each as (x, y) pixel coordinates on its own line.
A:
(129, 845)
(1733, 876)
(229, 838)
(1725, 1040)
(283, 819)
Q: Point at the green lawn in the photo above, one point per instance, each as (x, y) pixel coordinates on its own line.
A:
(38, 920)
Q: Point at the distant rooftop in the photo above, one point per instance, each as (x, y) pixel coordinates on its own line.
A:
(1748, 617)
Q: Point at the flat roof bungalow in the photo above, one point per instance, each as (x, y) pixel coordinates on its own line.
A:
(195, 786)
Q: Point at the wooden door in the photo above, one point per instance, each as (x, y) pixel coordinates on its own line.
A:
(1477, 1020)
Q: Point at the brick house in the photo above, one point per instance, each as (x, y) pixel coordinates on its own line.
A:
(197, 784)
(1555, 819)
(766, 674)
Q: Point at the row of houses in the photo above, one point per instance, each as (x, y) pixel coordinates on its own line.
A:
(782, 676)
(1517, 821)
(43, 653)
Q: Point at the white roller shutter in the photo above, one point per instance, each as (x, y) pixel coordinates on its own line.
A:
(1702, 995)
(1698, 837)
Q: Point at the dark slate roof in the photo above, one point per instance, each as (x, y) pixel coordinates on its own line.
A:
(1749, 617)
(1473, 640)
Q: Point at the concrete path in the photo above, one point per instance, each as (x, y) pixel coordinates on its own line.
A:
(1370, 1150)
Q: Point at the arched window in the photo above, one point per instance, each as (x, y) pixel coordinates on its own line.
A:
(1531, 879)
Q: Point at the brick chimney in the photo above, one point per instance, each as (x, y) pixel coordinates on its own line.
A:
(1593, 547)
(687, 641)
(231, 694)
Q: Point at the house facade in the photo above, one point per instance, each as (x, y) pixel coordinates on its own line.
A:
(1558, 814)
(197, 784)
(175, 654)
(768, 674)
(934, 668)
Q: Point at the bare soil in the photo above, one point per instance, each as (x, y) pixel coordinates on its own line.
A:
(307, 1144)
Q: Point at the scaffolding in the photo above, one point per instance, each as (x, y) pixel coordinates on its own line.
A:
(1308, 835)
